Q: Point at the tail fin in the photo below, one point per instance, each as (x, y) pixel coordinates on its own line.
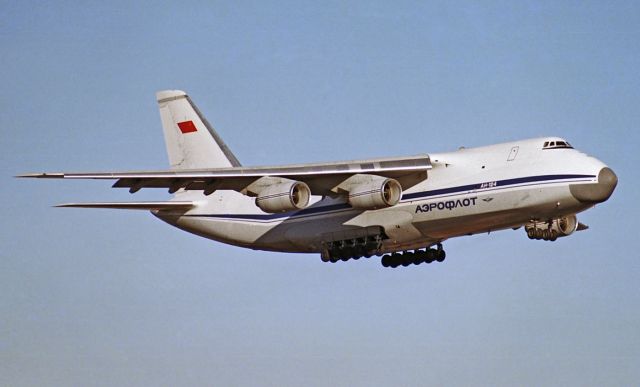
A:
(191, 141)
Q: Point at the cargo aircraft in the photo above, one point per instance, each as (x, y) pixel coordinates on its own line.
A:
(399, 208)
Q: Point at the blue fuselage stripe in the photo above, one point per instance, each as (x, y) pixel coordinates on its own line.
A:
(498, 183)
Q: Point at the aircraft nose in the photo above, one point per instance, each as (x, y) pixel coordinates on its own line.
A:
(596, 192)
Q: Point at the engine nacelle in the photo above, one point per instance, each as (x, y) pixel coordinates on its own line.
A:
(378, 192)
(565, 226)
(283, 197)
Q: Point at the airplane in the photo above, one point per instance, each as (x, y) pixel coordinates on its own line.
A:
(401, 209)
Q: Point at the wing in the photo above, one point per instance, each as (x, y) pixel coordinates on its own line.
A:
(322, 179)
(176, 205)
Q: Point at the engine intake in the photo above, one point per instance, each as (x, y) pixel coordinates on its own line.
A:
(379, 192)
(283, 197)
(565, 226)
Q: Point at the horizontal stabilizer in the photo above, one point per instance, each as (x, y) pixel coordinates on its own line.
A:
(134, 205)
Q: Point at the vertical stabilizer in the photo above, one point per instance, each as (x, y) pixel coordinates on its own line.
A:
(191, 141)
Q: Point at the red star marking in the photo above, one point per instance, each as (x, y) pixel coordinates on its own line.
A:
(187, 127)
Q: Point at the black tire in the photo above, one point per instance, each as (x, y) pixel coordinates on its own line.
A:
(396, 260)
(407, 258)
(440, 255)
(431, 256)
(538, 234)
(418, 257)
(386, 261)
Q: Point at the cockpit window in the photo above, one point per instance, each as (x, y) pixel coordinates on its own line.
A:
(556, 145)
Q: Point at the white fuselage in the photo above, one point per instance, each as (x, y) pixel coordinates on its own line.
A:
(468, 191)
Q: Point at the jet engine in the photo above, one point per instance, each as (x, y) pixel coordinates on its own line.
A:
(556, 228)
(378, 192)
(565, 226)
(283, 197)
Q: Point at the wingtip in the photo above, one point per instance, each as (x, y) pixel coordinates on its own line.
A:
(40, 175)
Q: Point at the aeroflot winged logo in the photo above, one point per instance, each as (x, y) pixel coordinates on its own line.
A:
(187, 127)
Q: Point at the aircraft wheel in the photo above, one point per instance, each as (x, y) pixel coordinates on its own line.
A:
(407, 258)
(418, 257)
(554, 236)
(440, 255)
(430, 255)
(361, 251)
(386, 261)
(531, 233)
(538, 234)
(396, 260)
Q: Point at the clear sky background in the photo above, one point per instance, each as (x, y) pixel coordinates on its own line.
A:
(96, 297)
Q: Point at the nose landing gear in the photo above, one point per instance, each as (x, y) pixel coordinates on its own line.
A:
(542, 231)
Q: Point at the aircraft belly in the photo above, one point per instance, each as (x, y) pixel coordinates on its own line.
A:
(490, 211)
(308, 234)
(244, 234)
(409, 225)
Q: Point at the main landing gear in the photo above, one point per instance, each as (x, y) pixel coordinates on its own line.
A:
(367, 246)
(415, 257)
(347, 249)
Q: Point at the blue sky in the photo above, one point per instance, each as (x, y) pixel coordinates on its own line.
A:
(119, 298)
